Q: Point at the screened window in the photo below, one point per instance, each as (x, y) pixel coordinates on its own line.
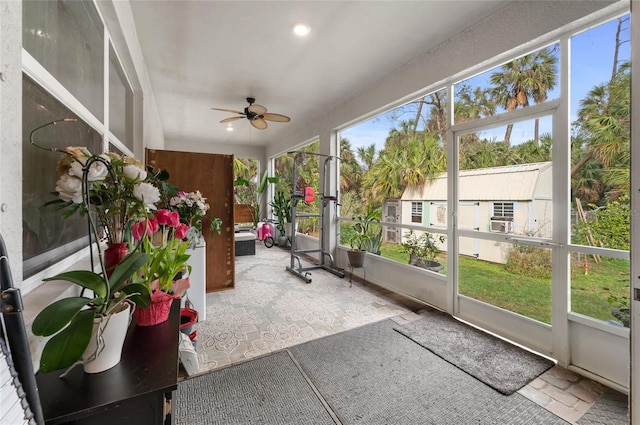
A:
(47, 236)
(120, 102)
(67, 39)
(416, 212)
(520, 83)
(307, 167)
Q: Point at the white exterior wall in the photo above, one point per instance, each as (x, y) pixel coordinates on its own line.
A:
(11, 133)
(542, 214)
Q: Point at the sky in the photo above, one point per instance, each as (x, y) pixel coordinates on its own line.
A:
(591, 64)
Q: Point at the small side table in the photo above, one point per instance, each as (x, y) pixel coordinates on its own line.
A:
(135, 391)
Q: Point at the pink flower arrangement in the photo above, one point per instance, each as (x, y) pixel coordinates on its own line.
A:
(163, 238)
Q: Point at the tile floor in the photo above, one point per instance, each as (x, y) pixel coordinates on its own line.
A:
(558, 390)
(563, 392)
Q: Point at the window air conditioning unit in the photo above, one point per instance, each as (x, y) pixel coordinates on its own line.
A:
(502, 226)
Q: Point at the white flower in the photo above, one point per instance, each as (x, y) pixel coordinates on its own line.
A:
(203, 207)
(132, 172)
(97, 171)
(69, 188)
(147, 193)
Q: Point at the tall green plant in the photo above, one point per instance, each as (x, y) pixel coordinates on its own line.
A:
(281, 205)
(367, 232)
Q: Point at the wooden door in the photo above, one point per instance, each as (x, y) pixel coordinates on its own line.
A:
(212, 175)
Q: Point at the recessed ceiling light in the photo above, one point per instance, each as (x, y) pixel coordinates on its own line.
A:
(301, 30)
(229, 128)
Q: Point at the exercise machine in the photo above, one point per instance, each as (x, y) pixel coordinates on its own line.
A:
(307, 195)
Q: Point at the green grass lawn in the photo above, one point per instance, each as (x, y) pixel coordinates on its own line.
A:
(531, 295)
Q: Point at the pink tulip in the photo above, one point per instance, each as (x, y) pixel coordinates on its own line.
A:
(181, 231)
(153, 225)
(136, 230)
(174, 219)
(163, 217)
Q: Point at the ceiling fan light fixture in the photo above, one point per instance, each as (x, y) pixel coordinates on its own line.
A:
(301, 30)
(256, 114)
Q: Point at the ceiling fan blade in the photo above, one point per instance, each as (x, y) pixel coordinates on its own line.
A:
(227, 110)
(231, 119)
(259, 123)
(257, 109)
(276, 117)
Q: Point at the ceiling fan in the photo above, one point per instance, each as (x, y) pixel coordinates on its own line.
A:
(256, 114)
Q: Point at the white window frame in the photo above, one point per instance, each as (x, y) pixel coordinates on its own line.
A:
(417, 211)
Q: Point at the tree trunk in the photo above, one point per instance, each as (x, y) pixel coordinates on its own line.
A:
(580, 163)
(415, 124)
(507, 136)
(614, 68)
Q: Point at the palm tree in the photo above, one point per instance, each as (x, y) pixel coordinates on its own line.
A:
(475, 154)
(367, 156)
(350, 170)
(528, 77)
(410, 162)
(604, 124)
(473, 104)
(399, 135)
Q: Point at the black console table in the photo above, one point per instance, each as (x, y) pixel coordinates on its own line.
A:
(134, 391)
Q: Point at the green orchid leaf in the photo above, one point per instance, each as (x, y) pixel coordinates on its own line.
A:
(66, 347)
(138, 293)
(127, 267)
(86, 279)
(57, 315)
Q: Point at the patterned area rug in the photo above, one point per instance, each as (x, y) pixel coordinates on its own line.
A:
(271, 309)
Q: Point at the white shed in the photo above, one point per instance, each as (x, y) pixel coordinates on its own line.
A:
(512, 199)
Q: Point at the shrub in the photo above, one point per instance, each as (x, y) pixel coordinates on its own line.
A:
(530, 261)
(609, 226)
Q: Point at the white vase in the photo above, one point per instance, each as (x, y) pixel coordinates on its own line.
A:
(105, 347)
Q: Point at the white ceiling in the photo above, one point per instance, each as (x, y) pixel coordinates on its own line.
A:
(204, 54)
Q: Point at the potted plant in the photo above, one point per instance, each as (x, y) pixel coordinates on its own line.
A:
(281, 205)
(78, 325)
(81, 328)
(357, 254)
(622, 310)
(369, 225)
(192, 208)
(164, 239)
(366, 237)
(423, 250)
